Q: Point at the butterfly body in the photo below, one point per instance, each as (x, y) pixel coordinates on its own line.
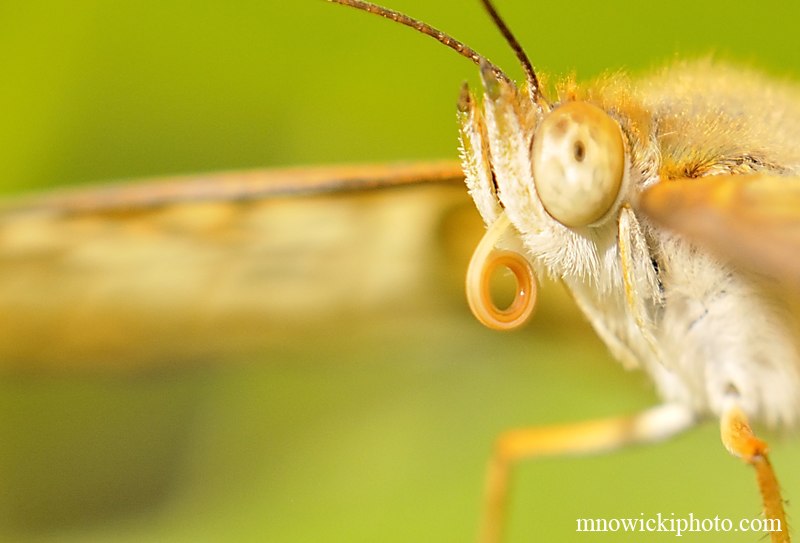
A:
(701, 326)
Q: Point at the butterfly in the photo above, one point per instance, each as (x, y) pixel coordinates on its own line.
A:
(173, 220)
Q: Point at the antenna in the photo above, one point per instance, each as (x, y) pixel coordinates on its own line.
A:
(530, 73)
(434, 33)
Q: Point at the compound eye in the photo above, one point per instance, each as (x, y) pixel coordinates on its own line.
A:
(578, 163)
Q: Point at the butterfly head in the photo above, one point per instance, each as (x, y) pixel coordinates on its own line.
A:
(546, 177)
(559, 172)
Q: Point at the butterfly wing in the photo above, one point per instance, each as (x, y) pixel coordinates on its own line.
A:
(752, 219)
(237, 186)
(132, 275)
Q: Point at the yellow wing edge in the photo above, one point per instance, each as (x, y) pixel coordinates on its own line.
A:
(236, 185)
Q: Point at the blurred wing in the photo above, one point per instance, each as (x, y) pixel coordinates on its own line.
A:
(752, 219)
(165, 273)
(243, 185)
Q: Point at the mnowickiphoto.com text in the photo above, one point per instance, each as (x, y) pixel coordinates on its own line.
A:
(678, 525)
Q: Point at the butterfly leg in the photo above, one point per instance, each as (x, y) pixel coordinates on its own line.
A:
(738, 438)
(590, 437)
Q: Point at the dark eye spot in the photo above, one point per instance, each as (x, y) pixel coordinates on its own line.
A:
(560, 128)
(731, 390)
(580, 151)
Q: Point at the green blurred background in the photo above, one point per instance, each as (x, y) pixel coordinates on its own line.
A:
(376, 435)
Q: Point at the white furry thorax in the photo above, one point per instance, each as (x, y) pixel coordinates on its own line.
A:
(701, 329)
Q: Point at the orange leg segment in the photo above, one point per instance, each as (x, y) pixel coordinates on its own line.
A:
(581, 438)
(738, 438)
